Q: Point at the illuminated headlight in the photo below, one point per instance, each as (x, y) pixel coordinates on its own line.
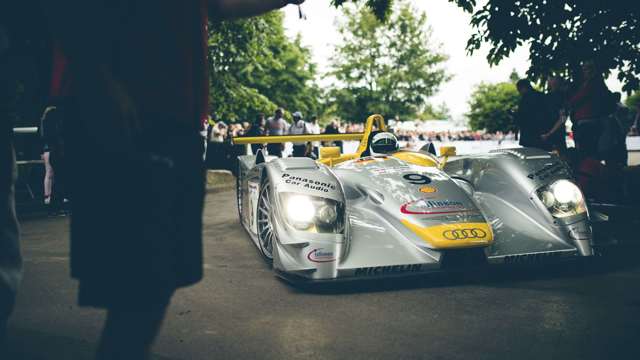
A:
(563, 198)
(312, 213)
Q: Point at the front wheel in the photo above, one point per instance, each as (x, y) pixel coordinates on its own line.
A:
(266, 234)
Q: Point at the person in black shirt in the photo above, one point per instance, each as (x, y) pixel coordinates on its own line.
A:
(531, 115)
(555, 134)
(258, 128)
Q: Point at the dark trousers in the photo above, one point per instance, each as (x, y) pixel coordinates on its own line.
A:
(299, 150)
(275, 149)
(129, 333)
(586, 134)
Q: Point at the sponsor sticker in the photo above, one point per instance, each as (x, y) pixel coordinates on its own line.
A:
(428, 189)
(432, 206)
(307, 183)
(321, 256)
(388, 270)
(464, 234)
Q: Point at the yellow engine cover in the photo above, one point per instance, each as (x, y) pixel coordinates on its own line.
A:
(416, 158)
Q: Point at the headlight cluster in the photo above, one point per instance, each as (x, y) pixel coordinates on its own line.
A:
(563, 198)
(312, 213)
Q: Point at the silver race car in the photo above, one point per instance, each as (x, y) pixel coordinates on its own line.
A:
(383, 211)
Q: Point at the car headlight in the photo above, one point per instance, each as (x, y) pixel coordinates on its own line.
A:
(563, 198)
(312, 213)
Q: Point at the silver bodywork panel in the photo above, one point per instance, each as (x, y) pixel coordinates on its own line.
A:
(387, 198)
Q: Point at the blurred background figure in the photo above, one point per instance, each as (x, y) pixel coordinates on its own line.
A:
(333, 128)
(46, 155)
(314, 127)
(277, 126)
(258, 128)
(10, 258)
(555, 132)
(588, 109)
(531, 115)
(299, 127)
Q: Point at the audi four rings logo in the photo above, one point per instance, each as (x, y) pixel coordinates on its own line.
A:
(463, 234)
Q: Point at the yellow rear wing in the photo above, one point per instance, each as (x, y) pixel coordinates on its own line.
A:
(330, 157)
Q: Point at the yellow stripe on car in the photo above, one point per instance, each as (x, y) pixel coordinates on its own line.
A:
(453, 236)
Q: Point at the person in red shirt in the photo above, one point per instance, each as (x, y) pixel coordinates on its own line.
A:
(137, 96)
(589, 105)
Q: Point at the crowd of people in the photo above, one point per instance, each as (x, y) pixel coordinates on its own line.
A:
(446, 136)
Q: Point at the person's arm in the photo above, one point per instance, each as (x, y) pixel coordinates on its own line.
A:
(560, 122)
(230, 9)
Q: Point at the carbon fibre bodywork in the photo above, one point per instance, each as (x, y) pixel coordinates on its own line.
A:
(403, 216)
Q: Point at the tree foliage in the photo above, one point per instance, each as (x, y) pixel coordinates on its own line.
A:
(387, 68)
(380, 8)
(255, 68)
(633, 101)
(491, 107)
(561, 34)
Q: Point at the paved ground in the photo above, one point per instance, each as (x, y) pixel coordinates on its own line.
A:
(241, 311)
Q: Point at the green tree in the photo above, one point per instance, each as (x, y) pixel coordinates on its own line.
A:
(255, 68)
(439, 112)
(633, 100)
(492, 106)
(380, 8)
(561, 34)
(387, 68)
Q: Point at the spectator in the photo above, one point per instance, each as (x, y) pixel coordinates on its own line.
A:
(136, 234)
(10, 259)
(532, 110)
(314, 127)
(276, 126)
(52, 134)
(333, 128)
(588, 109)
(299, 127)
(257, 129)
(612, 145)
(46, 155)
(211, 123)
(555, 133)
(219, 132)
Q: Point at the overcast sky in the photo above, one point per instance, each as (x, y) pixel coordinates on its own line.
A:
(450, 30)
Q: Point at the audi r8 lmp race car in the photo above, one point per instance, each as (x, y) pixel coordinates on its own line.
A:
(383, 211)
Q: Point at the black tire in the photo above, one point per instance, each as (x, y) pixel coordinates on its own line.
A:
(266, 235)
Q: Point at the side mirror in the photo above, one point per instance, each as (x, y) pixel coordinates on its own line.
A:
(447, 151)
